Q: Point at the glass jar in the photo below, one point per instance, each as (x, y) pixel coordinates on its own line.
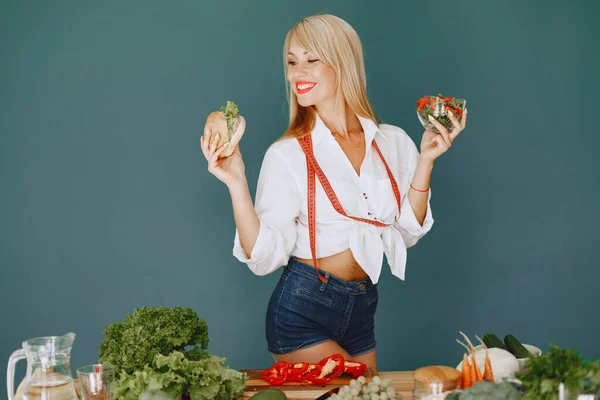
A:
(435, 382)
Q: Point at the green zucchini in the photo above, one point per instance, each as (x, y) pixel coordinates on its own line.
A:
(492, 340)
(515, 347)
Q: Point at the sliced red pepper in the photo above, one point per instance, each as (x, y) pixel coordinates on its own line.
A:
(331, 367)
(296, 370)
(274, 378)
(354, 368)
(422, 102)
(311, 371)
(277, 374)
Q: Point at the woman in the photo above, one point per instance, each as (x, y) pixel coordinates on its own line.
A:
(371, 197)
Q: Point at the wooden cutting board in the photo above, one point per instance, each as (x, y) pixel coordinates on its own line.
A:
(402, 380)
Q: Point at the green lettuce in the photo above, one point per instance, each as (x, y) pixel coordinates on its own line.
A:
(231, 111)
(160, 352)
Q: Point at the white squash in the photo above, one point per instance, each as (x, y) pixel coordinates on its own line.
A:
(504, 364)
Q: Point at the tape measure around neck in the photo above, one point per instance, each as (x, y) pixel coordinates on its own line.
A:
(313, 169)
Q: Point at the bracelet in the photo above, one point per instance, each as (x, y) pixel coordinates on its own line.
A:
(417, 190)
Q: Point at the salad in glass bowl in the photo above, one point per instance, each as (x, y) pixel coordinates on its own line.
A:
(437, 107)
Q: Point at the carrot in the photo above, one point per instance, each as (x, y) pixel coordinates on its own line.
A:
(475, 372)
(466, 373)
(488, 373)
(487, 369)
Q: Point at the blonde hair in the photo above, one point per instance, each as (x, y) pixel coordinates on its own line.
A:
(338, 46)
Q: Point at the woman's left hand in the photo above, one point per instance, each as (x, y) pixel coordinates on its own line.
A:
(435, 144)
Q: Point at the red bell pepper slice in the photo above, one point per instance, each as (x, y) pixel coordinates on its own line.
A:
(331, 367)
(311, 371)
(278, 374)
(422, 102)
(354, 368)
(296, 370)
(273, 377)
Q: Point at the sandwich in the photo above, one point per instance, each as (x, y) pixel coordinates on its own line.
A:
(228, 124)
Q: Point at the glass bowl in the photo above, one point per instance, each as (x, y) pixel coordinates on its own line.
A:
(437, 107)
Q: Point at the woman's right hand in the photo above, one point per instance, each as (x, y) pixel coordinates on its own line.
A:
(229, 170)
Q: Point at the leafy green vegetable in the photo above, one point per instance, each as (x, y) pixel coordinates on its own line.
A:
(162, 352)
(147, 332)
(230, 110)
(543, 374)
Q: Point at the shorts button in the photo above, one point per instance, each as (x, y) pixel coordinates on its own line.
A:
(361, 286)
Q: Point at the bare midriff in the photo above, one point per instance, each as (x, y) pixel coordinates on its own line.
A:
(341, 265)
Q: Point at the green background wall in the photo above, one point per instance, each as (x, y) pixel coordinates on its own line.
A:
(106, 204)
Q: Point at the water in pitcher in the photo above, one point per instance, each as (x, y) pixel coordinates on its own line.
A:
(59, 388)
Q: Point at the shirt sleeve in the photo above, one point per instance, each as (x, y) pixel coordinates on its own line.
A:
(407, 223)
(278, 201)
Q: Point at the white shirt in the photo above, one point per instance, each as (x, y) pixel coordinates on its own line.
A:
(281, 203)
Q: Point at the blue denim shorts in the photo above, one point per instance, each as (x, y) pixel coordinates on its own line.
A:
(303, 311)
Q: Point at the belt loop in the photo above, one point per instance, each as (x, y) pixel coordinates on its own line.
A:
(324, 283)
(286, 272)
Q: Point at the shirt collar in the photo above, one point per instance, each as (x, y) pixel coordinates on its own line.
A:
(369, 128)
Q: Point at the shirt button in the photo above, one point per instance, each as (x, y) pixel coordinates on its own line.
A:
(366, 197)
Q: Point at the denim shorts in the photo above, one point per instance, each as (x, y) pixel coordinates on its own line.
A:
(303, 311)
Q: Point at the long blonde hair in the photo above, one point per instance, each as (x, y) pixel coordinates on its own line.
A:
(337, 45)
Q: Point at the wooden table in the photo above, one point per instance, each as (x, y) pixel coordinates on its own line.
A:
(402, 380)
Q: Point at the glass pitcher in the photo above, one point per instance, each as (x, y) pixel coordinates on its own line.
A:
(48, 369)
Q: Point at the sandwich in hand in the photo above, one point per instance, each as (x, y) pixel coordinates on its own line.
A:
(229, 125)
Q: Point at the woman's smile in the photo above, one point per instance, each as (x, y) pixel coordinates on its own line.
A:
(303, 87)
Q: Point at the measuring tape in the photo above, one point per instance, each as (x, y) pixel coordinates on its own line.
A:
(313, 169)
